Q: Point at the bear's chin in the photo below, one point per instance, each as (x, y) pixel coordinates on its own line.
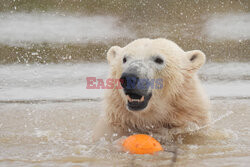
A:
(138, 105)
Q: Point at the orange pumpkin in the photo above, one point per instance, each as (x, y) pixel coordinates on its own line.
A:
(141, 144)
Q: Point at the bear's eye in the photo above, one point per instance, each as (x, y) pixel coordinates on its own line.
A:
(124, 60)
(158, 60)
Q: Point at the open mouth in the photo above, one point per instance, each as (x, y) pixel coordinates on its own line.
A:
(137, 102)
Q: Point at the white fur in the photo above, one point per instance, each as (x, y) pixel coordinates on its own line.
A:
(179, 104)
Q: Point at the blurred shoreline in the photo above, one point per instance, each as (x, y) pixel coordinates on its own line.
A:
(55, 31)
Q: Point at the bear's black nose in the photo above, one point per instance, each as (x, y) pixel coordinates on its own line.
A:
(129, 81)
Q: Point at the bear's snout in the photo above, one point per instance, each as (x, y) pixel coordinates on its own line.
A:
(136, 91)
(129, 81)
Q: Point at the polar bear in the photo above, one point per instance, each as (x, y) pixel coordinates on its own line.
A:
(160, 89)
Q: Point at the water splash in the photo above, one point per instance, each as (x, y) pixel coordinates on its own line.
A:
(228, 26)
(24, 28)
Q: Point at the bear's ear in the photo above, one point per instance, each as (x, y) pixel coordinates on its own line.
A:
(196, 59)
(113, 53)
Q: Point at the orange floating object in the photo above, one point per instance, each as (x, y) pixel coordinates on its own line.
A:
(141, 144)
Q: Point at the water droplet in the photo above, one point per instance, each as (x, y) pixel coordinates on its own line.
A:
(34, 53)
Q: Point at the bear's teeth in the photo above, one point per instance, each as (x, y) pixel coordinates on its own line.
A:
(137, 100)
(142, 99)
(129, 99)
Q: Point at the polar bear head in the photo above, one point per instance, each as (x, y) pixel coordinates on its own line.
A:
(152, 72)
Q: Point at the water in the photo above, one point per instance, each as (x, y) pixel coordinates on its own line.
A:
(47, 115)
(47, 50)
(229, 26)
(60, 134)
(68, 81)
(32, 28)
